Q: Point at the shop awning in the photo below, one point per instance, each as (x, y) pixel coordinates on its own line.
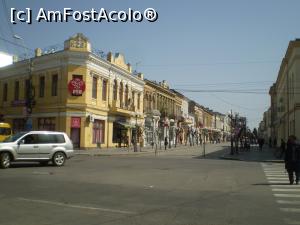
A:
(126, 124)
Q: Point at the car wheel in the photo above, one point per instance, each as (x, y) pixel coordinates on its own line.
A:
(4, 160)
(59, 159)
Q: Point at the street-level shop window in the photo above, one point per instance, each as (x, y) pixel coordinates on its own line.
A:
(120, 135)
(5, 87)
(42, 87)
(18, 125)
(104, 90)
(54, 85)
(98, 131)
(46, 123)
(17, 84)
(94, 89)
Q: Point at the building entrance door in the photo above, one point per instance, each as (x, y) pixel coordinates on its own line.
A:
(75, 137)
(75, 131)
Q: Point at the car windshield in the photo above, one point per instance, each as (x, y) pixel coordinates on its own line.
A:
(5, 131)
(14, 137)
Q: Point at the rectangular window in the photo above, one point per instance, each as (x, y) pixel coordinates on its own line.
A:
(104, 90)
(42, 87)
(98, 131)
(27, 88)
(5, 87)
(54, 84)
(46, 123)
(94, 89)
(16, 90)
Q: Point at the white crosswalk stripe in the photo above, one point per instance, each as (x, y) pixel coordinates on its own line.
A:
(287, 196)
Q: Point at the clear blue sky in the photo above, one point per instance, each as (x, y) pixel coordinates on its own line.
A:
(193, 45)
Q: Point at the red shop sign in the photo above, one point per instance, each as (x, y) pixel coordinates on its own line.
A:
(76, 86)
(75, 122)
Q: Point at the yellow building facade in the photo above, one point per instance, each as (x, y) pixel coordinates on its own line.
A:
(97, 101)
(285, 96)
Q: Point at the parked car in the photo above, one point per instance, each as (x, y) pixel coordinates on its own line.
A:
(37, 146)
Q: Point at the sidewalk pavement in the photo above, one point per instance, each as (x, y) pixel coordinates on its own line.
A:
(266, 155)
(129, 150)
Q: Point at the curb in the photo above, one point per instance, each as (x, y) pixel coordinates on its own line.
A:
(126, 153)
(264, 160)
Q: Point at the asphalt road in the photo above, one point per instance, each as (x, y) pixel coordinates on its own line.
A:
(179, 187)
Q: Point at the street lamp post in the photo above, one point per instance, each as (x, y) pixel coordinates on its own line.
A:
(30, 92)
(135, 136)
(231, 133)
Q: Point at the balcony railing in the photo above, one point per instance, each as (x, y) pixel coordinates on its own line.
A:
(116, 105)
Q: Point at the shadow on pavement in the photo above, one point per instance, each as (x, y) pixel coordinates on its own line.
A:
(28, 164)
(213, 155)
(252, 155)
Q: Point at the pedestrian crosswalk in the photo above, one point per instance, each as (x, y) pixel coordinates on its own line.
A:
(287, 196)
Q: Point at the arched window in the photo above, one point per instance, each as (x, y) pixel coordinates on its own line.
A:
(126, 95)
(115, 90)
(139, 101)
(121, 94)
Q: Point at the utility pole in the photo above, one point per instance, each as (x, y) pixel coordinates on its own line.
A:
(30, 92)
(231, 138)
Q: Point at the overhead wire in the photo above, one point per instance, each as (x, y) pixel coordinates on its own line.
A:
(11, 31)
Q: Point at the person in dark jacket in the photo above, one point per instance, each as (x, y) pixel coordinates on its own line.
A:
(292, 159)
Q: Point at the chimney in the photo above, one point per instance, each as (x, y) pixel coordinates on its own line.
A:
(110, 57)
(129, 68)
(141, 76)
(15, 58)
(38, 52)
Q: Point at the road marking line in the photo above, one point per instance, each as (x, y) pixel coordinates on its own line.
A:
(286, 196)
(291, 222)
(276, 175)
(277, 181)
(277, 178)
(272, 167)
(288, 202)
(296, 210)
(286, 190)
(286, 186)
(75, 206)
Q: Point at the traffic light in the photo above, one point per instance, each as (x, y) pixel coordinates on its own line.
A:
(30, 102)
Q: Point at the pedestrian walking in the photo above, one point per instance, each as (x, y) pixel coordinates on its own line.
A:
(166, 142)
(292, 159)
(282, 148)
(270, 142)
(275, 142)
(260, 143)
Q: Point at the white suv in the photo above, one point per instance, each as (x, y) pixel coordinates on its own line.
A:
(38, 146)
